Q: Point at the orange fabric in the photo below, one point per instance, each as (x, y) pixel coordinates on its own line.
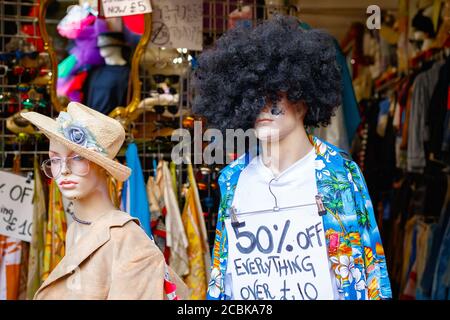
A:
(10, 252)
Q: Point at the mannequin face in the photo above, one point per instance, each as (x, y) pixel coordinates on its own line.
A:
(288, 117)
(110, 51)
(79, 186)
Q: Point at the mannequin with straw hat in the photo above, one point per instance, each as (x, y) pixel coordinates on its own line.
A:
(108, 255)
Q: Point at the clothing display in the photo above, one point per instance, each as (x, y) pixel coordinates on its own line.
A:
(123, 124)
(176, 239)
(134, 199)
(356, 238)
(198, 247)
(107, 87)
(252, 194)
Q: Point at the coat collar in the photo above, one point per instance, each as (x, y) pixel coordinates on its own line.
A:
(97, 236)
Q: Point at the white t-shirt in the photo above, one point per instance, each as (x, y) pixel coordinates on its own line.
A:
(294, 186)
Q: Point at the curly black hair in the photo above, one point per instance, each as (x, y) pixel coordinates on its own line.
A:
(247, 66)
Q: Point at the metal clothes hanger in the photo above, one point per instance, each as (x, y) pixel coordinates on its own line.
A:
(319, 203)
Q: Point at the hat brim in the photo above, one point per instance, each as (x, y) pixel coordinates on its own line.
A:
(49, 127)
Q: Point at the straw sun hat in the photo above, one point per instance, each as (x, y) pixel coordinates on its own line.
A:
(91, 134)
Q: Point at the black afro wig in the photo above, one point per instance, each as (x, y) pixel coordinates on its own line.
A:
(246, 66)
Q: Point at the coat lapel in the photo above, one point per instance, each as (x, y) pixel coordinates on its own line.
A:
(88, 244)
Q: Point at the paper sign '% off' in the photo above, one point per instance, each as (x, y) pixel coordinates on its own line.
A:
(279, 255)
(16, 206)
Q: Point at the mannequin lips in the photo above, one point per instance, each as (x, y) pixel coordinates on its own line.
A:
(68, 184)
(264, 121)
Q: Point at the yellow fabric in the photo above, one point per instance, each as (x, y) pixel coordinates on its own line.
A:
(56, 231)
(37, 245)
(173, 174)
(194, 224)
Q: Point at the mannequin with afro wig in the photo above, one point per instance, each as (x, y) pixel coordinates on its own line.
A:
(246, 67)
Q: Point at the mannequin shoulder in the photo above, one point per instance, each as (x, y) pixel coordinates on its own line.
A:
(127, 232)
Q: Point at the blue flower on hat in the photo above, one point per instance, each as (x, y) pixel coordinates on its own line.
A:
(77, 132)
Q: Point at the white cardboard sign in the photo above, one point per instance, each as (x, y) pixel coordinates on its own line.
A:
(178, 24)
(16, 206)
(279, 255)
(121, 8)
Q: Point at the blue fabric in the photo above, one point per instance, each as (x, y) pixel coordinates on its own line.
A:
(430, 268)
(139, 207)
(420, 291)
(441, 283)
(349, 102)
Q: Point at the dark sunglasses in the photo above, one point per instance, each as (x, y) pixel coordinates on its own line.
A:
(8, 56)
(160, 78)
(172, 109)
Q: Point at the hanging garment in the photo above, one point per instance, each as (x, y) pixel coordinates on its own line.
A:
(25, 247)
(156, 203)
(55, 234)
(36, 262)
(106, 87)
(10, 253)
(134, 194)
(424, 243)
(176, 239)
(173, 173)
(441, 282)
(409, 253)
(438, 234)
(418, 133)
(198, 251)
(437, 111)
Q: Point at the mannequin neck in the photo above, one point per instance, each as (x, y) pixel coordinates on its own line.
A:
(281, 154)
(427, 43)
(94, 205)
(113, 56)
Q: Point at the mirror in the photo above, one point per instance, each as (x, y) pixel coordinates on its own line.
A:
(94, 60)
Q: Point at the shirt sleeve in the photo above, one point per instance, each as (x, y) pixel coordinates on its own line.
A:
(377, 278)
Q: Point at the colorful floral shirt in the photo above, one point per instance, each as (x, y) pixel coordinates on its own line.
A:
(353, 240)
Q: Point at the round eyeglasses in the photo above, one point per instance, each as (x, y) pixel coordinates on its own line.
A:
(77, 165)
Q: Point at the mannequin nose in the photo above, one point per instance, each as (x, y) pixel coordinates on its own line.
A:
(65, 170)
(266, 108)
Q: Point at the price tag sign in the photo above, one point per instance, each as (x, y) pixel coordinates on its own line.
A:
(16, 206)
(279, 256)
(121, 8)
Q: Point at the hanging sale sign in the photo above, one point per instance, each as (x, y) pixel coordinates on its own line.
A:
(178, 24)
(121, 8)
(16, 206)
(279, 256)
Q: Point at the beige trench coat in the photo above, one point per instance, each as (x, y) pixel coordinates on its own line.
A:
(115, 259)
